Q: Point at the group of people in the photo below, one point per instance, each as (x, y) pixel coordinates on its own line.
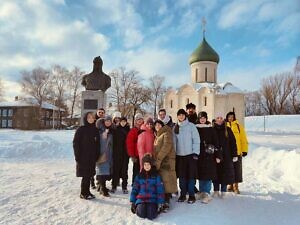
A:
(161, 152)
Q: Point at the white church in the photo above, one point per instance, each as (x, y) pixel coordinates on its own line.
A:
(204, 90)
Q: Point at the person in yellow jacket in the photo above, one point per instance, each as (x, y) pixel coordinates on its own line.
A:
(242, 150)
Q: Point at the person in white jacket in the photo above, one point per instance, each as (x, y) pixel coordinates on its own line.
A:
(187, 147)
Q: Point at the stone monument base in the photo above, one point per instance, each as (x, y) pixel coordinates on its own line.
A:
(91, 101)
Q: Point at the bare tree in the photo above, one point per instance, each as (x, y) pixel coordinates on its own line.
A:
(74, 86)
(59, 80)
(294, 97)
(253, 101)
(122, 84)
(1, 90)
(138, 95)
(276, 91)
(36, 84)
(157, 91)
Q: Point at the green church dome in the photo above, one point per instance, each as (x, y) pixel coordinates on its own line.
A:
(204, 52)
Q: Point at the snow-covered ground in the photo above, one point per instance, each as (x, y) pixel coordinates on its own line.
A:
(38, 185)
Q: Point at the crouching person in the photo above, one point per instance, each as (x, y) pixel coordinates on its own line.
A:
(147, 194)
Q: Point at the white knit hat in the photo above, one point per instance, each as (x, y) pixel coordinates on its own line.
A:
(138, 116)
(219, 114)
(116, 114)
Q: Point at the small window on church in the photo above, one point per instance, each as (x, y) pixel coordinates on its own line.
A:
(196, 72)
(215, 75)
(187, 101)
(205, 101)
(171, 104)
(205, 74)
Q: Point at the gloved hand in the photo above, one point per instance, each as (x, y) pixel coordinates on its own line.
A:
(218, 160)
(244, 154)
(133, 208)
(195, 156)
(234, 159)
(133, 159)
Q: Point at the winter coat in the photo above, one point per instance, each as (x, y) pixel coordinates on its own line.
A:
(207, 166)
(147, 187)
(227, 145)
(131, 142)
(165, 157)
(187, 142)
(167, 121)
(119, 144)
(106, 147)
(145, 142)
(240, 136)
(86, 149)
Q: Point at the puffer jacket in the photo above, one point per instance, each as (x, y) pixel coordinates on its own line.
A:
(165, 158)
(240, 136)
(187, 142)
(145, 142)
(147, 188)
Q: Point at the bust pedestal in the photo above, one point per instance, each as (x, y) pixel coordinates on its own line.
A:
(91, 101)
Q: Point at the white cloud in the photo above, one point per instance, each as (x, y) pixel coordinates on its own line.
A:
(11, 89)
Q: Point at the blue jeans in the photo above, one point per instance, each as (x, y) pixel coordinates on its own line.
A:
(147, 210)
(217, 187)
(187, 186)
(205, 186)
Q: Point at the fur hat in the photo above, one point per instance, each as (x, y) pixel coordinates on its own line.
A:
(160, 122)
(107, 118)
(202, 114)
(181, 111)
(148, 159)
(138, 116)
(123, 118)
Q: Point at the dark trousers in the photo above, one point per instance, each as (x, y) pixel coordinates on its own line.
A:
(187, 186)
(92, 181)
(120, 170)
(85, 185)
(217, 187)
(147, 210)
(102, 181)
(135, 170)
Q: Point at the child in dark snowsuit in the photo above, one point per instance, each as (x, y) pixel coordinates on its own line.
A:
(147, 192)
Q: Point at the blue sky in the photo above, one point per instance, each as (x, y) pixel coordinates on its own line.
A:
(254, 38)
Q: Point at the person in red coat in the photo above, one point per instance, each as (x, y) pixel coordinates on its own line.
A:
(131, 143)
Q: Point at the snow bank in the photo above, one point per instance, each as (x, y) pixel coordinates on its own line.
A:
(274, 123)
(36, 144)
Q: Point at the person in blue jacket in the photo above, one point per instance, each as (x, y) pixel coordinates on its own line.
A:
(187, 147)
(147, 195)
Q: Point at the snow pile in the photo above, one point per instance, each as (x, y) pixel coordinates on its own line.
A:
(36, 144)
(274, 123)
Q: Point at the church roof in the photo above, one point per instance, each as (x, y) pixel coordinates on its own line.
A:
(204, 52)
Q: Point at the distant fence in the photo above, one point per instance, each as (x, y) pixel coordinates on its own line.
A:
(273, 123)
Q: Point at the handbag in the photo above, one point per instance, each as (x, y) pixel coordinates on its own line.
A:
(102, 158)
(210, 148)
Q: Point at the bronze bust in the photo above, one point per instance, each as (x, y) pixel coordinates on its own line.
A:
(96, 80)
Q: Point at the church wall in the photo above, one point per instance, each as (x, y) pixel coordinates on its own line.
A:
(225, 104)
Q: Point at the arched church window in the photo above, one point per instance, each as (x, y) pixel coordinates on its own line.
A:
(171, 103)
(187, 101)
(196, 72)
(205, 74)
(205, 101)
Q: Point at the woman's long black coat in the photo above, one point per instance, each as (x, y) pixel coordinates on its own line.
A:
(207, 166)
(227, 145)
(86, 147)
